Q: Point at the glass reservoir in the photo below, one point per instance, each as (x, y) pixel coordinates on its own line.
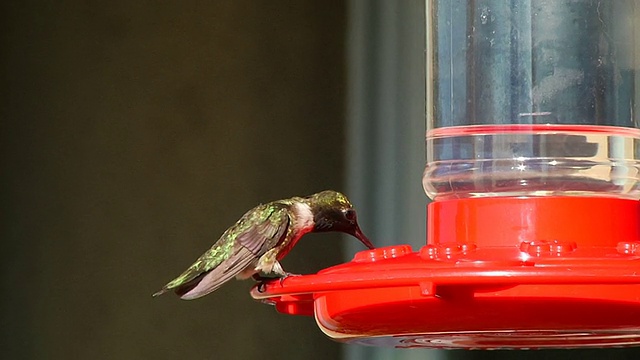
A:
(533, 98)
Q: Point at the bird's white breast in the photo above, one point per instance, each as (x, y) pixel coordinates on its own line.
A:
(303, 217)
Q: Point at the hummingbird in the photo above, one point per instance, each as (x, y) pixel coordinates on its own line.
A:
(256, 243)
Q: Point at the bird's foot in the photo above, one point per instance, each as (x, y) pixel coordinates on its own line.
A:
(264, 280)
(286, 275)
(262, 286)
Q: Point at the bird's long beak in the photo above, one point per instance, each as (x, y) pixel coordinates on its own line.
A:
(363, 239)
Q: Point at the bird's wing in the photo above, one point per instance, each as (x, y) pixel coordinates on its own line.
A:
(255, 233)
(264, 231)
(209, 281)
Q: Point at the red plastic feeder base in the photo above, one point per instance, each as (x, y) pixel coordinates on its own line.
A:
(549, 272)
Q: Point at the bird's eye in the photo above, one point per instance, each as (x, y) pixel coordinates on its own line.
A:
(350, 214)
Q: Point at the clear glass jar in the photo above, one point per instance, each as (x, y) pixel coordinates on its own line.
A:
(533, 98)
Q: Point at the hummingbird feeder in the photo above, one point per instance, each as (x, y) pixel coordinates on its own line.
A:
(532, 142)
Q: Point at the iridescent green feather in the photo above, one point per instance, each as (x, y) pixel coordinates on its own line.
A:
(259, 224)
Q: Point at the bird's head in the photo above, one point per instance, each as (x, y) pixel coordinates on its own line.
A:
(332, 211)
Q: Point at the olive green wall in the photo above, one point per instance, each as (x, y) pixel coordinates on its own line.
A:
(132, 134)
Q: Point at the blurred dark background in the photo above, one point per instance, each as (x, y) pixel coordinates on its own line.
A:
(133, 134)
